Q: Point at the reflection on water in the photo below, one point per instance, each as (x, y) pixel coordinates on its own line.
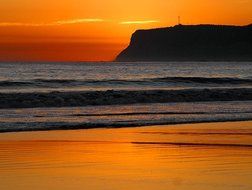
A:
(201, 156)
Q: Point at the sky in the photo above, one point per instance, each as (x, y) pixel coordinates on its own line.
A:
(97, 30)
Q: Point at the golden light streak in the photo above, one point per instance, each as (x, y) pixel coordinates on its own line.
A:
(140, 22)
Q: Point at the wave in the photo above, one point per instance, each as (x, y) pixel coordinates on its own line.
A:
(203, 80)
(149, 113)
(54, 83)
(193, 144)
(111, 97)
(47, 126)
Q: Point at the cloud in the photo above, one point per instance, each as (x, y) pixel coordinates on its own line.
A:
(139, 22)
(56, 23)
(77, 21)
(71, 21)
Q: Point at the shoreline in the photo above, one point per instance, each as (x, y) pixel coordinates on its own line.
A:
(126, 126)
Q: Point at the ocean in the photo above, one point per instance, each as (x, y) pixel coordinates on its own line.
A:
(46, 96)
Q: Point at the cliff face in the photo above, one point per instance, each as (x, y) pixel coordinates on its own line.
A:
(190, 43)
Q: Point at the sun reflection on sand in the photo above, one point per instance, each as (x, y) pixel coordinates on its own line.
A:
(108, 158)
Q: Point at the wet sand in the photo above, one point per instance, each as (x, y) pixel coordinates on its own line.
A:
(209, 156)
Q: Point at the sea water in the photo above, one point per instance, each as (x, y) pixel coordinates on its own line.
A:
(46, 78)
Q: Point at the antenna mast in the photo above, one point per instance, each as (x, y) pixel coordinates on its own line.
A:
(179, 21)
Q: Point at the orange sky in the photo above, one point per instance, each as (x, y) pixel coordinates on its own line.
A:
(95, 30)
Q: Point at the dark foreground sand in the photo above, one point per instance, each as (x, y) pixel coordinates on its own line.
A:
(216, 156)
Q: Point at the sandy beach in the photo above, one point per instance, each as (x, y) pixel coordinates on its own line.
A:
(180, 157)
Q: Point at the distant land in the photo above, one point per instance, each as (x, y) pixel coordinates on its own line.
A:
(190, 43)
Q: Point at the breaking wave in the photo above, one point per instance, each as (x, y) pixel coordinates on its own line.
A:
(54, 83)
(111, 97)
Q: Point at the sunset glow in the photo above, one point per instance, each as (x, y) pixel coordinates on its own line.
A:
(94, 30)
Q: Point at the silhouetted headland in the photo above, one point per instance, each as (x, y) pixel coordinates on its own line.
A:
(190, 43)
